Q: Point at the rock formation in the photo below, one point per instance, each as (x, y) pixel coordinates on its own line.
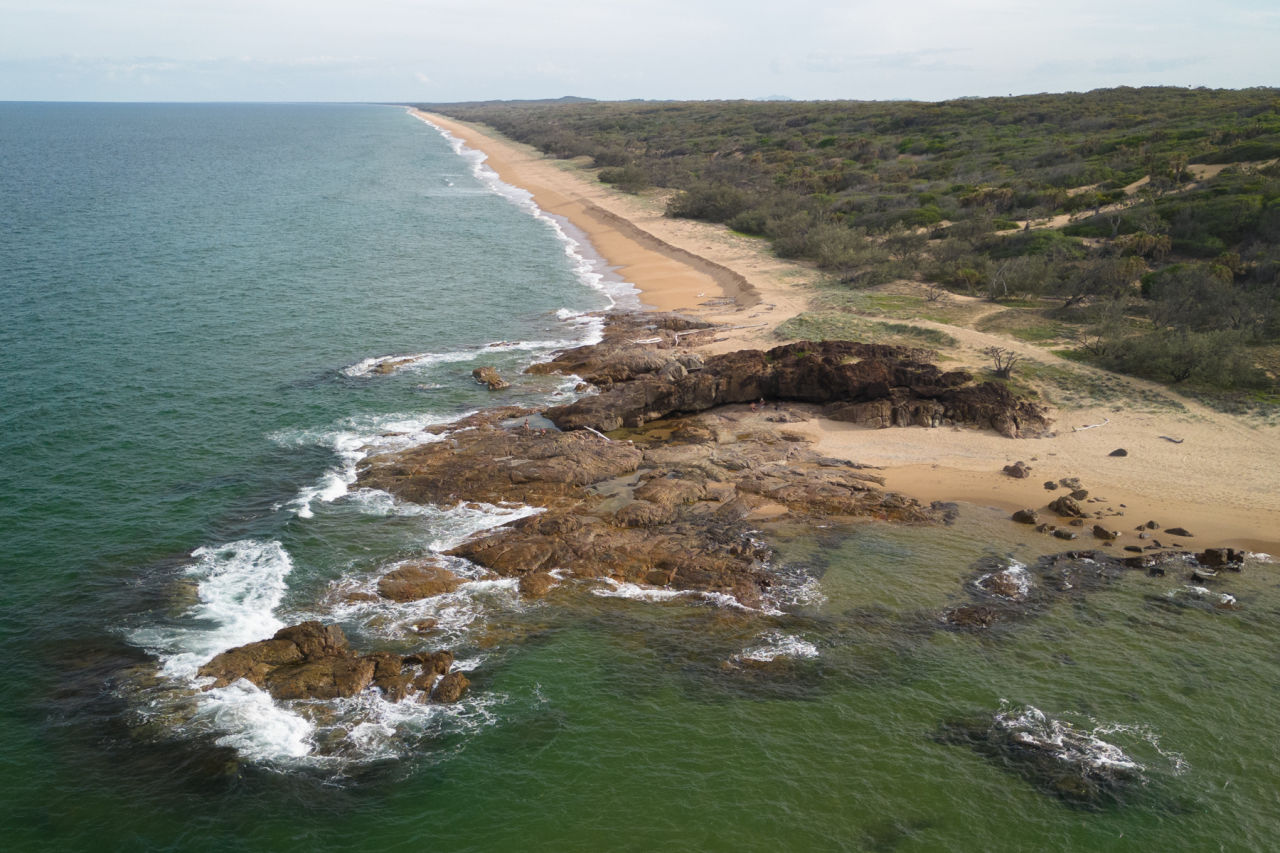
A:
(314, 661)
(671, 504)
(489, 376)
(870, 384)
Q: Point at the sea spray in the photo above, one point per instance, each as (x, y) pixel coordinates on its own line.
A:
(239, 586)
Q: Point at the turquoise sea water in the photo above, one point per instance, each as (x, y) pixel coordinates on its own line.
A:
(195, 303)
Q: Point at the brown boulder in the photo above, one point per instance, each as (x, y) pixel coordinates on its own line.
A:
(413, 581)
(1217, 558)
(1026, 516)
(870, 383)
(315, 639)
(1067, 507)
(536, 584)
(1018, 470)
(489, 376)
(314, 661)
(337, 677)
(450, 688)
(643, 514)
(1101, 532)
(437, 662)
(251, 662)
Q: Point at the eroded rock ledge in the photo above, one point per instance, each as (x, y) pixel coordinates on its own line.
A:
(863, 383)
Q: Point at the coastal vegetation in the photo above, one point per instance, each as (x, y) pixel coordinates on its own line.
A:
(1135, 229)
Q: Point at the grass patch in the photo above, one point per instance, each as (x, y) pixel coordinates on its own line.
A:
(836, 325)
(1025, 325)
(1065, 386)
(895, 306)
(1259, 404)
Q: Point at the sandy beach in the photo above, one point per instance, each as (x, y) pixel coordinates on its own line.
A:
(1220, 479)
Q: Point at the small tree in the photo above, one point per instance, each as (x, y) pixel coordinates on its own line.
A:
(1003, 360)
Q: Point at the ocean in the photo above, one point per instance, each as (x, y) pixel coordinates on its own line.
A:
(210, 314)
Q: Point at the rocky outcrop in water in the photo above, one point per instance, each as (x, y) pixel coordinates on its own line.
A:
(673, 506)
(419, 579)
(314, 661)
(489, 376)
(673, 503)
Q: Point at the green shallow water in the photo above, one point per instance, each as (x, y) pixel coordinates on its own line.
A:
(173, 362)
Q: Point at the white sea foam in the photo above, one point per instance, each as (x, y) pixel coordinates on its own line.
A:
(1078, 745)
(793, 589)
(352, 440)
(1015, 577)
(539, 350)
(255, 726)
(775, 644)
(637, 592)
(590, 270)
(1031, 726)
(370, 728)
(239, 586)
(454, 613)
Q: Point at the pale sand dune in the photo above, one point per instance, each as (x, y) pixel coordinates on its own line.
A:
(1222, 482)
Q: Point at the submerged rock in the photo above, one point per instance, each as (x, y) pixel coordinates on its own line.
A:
(1056, 756)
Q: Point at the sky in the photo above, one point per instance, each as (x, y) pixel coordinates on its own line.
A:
(450, 50)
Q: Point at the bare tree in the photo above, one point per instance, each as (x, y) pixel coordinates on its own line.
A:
(1003, 360)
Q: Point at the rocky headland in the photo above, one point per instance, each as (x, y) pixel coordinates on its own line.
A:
(659, 474)
(652, 477)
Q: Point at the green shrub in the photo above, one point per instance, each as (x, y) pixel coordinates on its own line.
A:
(709, 202)
(1215, 359)
(630, 179)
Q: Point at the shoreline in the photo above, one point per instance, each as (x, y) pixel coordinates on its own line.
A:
(1217, 482)
(669, 278)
